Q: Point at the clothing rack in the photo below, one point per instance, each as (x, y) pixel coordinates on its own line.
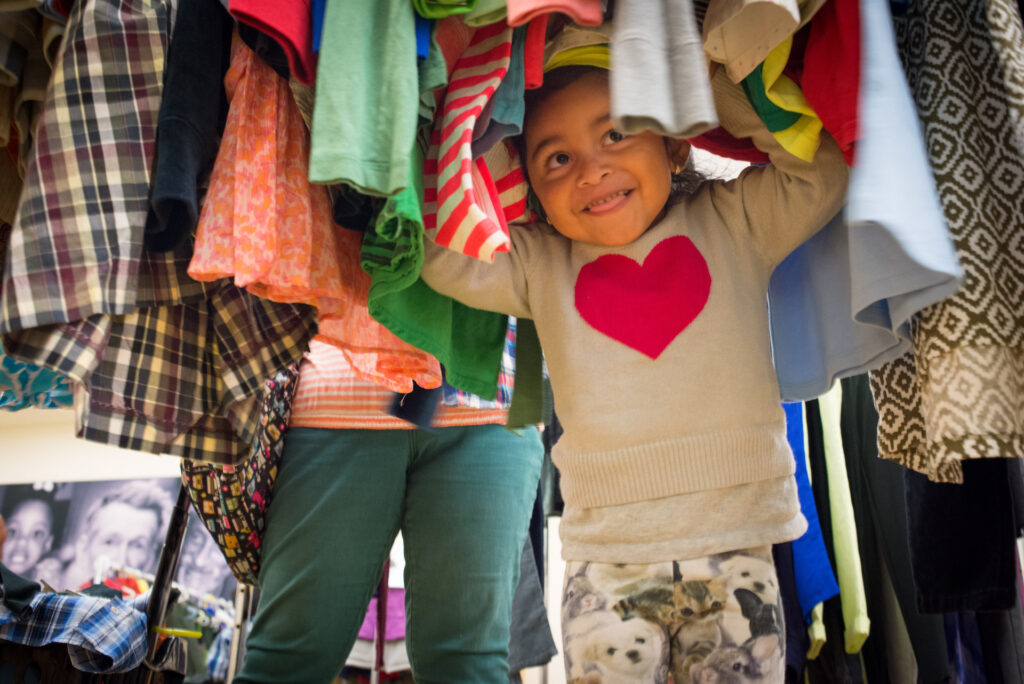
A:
(106, 569)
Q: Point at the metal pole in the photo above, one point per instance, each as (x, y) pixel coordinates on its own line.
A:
(167, 567)
(242, 595)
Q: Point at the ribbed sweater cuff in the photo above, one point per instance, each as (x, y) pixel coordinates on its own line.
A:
(675, 466)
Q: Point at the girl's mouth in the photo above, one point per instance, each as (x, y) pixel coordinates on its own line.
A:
(609, 203)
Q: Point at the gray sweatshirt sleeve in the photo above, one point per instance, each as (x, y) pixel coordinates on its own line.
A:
(786, 202)
(500, 286)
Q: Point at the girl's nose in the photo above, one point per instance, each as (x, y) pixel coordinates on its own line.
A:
(592, 170)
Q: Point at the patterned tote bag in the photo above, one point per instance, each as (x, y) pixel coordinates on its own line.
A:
(232, 500)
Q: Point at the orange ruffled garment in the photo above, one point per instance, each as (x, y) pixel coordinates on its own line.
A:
(266, 225)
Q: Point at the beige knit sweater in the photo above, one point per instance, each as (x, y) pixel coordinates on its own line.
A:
(685, 454)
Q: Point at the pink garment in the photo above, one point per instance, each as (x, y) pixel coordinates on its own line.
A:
(583, 12)
(290, 24)
(394, 621)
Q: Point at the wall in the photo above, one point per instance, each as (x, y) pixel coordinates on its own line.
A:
(38, 444)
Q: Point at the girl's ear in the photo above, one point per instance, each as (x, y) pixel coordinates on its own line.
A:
(678, 153)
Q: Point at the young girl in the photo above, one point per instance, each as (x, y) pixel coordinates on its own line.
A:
(651, 310)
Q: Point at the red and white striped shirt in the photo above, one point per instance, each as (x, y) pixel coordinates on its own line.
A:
(461, 199)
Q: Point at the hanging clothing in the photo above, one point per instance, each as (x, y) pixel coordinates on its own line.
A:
(191, 121)
(828, 660)
(582, 12)
(797, 641)
(439, 9)
(165, 364)
(659, 82)
(502, 117)
(467, 341)
(958, 396)
(70, 198)
(267, 227)
(782, 105)
(533, 51)
(844, 529)
(364, 119)
(460, 198)
(25, 39)
(842, 302)
(740, 34)
(530, 642)
(262, 222)
(831, 79)
(951, 526)
(452, 396)
(879, 500)
(232, 502)
(290, 24)
(485, 12)
(814, 578)
(24, 385)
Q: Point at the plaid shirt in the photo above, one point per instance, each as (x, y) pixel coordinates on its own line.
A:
(102, 635)
(506, 380)
(218, 656)
(161, 363)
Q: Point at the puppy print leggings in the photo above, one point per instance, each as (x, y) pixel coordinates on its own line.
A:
(715, 619)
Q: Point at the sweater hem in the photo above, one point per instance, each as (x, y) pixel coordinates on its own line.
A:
(679, 465)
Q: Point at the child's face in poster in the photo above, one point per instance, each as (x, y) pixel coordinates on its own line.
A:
(29, 535)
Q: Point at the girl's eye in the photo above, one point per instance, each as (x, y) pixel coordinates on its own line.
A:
(614, 136)
(557, 159)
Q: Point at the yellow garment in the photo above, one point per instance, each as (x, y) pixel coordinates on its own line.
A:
(565, 49)
(802, 138)
(584, 55)
(844, 530)
(816, 631)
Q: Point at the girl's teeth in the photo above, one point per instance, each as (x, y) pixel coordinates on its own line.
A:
(607, 199)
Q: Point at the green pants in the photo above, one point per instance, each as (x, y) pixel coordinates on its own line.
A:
(462, 498)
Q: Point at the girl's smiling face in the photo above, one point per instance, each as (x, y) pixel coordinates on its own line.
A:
(596, 185)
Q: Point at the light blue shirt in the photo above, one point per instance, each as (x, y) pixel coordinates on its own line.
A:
(840, 304)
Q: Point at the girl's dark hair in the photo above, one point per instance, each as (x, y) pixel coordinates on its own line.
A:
(684, 183)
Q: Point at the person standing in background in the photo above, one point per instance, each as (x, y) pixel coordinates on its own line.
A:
(352, 475)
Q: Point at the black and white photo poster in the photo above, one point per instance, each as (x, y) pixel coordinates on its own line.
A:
(66, 532)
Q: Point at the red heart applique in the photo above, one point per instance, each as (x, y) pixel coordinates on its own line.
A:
(645, 306)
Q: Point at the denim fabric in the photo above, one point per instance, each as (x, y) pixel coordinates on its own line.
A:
(462, 498)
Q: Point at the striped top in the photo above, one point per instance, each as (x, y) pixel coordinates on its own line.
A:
(331, 395)
(462, 200)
